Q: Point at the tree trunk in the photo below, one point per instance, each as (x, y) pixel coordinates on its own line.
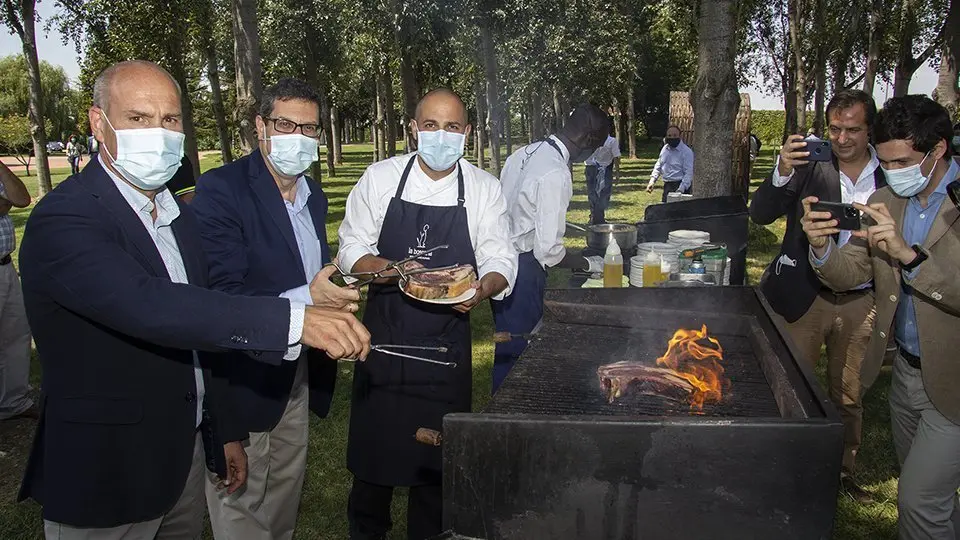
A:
(491, 72)
(246, 37)
(179, 73)
(715, 99)
(481, 132)
(557, 111)
(507, 128)
(26, 29)
(617, 131)
(820, 71)
(907, 65)
(336, 135)
(632, 122)
(389, 120)
(411, 95)
(948, 94)
(380, 121)
(328, 131)
(795, 17)
(536, 116)
(216, 95)
(873, 47)
(790, 102)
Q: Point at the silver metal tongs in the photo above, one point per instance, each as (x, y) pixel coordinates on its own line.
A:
(396, 267)
(386, 349)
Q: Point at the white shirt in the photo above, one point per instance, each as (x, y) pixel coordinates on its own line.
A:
(538, 186)
(605, 155)
(674, 164)
(850, 192)
(161, 233)
(308, 243)
(486, 213)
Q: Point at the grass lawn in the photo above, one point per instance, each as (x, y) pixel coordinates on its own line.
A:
(323, 506)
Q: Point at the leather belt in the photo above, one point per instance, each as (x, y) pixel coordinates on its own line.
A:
(5, 260)
(839, 294)
(911, 359)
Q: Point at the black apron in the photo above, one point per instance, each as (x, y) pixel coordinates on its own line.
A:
(393, 397)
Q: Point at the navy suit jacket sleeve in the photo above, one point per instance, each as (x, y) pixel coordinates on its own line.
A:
(221, 231)
(84, 268)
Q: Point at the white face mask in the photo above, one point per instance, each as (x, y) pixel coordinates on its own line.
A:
(292, 154)
(146, 157)
(908, 181)
(956, 141)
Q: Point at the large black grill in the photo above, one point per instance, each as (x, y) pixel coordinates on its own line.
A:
(551, 458)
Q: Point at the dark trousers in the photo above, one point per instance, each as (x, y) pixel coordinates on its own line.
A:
(368, 511)
(599, 198)
(518, 313)
(669, 186)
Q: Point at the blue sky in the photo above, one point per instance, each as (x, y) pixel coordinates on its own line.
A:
(51, 49)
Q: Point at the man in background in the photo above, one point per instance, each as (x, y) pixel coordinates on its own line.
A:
(602, 170)
(14, 330)
(675, 165)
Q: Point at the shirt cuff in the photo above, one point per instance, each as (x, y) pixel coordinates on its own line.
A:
(820, 261)
(909, 275)
(295, 333)
(780, 181)
(299, 295)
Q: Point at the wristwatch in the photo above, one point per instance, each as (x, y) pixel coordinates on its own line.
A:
(921, 256)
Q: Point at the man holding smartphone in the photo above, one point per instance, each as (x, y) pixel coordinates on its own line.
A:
(911, 253)
(813, 314)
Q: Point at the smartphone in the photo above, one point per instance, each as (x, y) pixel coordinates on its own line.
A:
(819, 151)
(848, 218)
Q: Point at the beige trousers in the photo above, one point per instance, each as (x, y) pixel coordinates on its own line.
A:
(266, 507)
(183, 522)
(14, 346)
(844, 323)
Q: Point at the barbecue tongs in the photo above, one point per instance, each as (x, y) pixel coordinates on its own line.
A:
(386, 349)
(396, 267)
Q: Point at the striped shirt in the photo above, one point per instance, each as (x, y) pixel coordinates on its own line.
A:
(8, 236)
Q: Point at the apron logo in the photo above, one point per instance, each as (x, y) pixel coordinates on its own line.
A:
(421, 245)
(422, 238)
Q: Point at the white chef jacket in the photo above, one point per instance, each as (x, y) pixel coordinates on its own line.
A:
(605, 155)
(538, 186)
(486, 213)
(675, 164)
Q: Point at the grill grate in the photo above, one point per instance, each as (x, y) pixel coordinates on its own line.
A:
(558, 375)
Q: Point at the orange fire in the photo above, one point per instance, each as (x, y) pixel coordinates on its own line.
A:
(698, 363)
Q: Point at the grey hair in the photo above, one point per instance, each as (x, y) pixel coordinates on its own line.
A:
(101, 87)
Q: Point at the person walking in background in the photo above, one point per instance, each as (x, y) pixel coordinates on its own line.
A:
(73, 154)
(14, 330)
(675, 165)
(602, 170)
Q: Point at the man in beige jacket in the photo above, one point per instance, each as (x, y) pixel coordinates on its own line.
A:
(912, 253)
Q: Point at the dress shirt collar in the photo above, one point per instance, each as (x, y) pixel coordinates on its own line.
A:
(303, 194)
(167, 208)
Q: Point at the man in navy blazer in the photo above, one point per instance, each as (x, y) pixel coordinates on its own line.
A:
(115, 287)
(262, 222)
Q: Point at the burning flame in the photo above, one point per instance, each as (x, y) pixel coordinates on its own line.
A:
(697, 363)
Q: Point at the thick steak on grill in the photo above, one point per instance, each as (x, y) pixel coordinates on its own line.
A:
(616, 378)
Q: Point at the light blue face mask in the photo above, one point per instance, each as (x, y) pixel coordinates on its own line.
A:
(440, 149)
(908, 181)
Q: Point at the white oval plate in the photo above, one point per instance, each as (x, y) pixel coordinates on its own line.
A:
(442, 301)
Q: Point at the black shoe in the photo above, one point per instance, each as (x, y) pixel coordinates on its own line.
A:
(857, 493)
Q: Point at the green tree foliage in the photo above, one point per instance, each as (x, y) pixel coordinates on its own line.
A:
(15, 137)
(60, 106)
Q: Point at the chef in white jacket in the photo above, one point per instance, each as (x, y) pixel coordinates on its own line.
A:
(538, 187)
(405, 206)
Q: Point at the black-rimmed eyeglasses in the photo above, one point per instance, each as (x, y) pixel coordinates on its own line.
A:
(282, 125)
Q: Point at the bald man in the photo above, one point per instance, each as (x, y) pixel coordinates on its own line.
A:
(401, 207)
(115, 288)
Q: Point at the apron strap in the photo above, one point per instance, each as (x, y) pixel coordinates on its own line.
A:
(460, 198)
(403, 177)
(550, 141)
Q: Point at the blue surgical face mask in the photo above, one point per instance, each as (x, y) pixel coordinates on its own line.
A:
(291, 154)
(908, 181)
(440, 149)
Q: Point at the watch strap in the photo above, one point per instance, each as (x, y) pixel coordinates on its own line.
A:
(921, 256)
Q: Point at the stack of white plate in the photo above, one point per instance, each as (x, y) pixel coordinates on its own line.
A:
(668, 253)
(686, 238)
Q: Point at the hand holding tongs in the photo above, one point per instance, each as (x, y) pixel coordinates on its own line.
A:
(395, 266)
(385, 349)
